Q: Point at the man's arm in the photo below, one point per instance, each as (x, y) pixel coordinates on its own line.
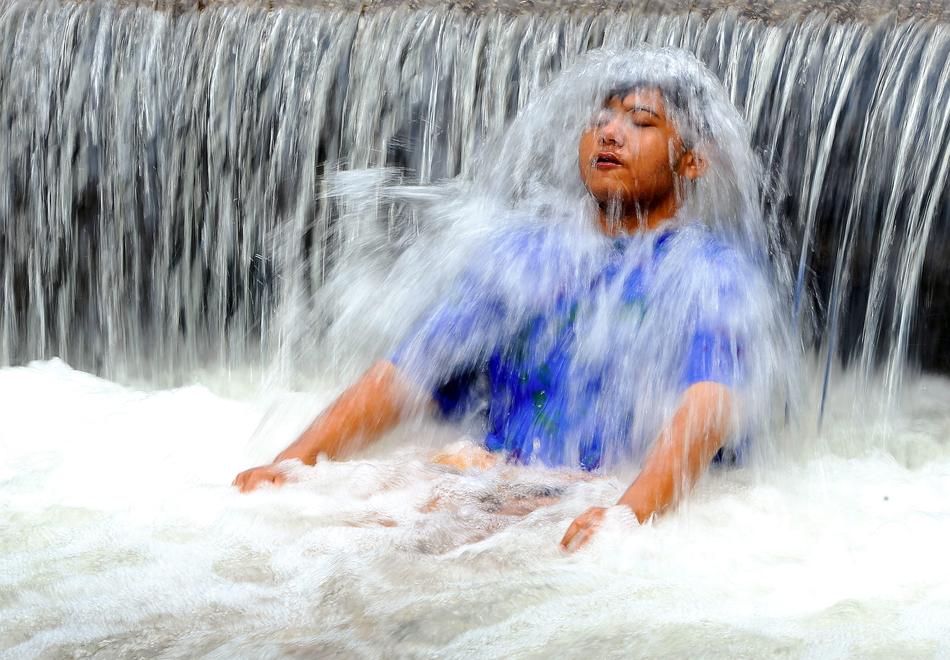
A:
(678, 459)
(363, 413)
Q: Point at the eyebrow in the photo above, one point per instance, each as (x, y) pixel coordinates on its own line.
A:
(639, 107)
(647, 109)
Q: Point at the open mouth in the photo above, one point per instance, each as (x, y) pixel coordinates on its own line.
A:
(607, 160)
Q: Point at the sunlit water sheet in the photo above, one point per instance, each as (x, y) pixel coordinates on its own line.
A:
(122, 537)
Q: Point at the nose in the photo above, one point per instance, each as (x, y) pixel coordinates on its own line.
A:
(609, 129)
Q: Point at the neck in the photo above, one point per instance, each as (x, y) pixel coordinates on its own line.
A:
(615, 219)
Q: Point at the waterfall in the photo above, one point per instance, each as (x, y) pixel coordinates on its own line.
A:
(163, 170)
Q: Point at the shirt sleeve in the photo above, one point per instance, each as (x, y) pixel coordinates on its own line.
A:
(723, 322)
(714, 355)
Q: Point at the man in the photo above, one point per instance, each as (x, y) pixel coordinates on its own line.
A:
(644, 308)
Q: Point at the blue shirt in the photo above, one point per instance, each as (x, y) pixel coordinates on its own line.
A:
(573, 348)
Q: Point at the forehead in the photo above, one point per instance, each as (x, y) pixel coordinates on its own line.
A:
(647, 98)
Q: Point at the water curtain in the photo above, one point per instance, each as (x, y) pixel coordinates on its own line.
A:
(164, 166)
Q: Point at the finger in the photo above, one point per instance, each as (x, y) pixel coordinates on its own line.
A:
(571, 531)
(250, 483)
(245, 481)
(577, 540)
(566, 541)
(583, 539)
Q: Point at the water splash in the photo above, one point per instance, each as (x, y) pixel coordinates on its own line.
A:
(157, 206)
(199, 183)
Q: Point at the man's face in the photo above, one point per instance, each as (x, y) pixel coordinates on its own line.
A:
(632, 151)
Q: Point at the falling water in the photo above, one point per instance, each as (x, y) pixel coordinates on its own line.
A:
(193, 191)
(159, 203)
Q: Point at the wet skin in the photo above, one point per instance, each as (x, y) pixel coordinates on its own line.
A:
(630, 159)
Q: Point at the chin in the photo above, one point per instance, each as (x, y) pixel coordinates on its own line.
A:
(605, 194)
(604, 187)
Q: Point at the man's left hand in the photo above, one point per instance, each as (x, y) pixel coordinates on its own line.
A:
(582, 529)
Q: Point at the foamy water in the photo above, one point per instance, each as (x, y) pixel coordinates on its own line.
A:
(122, 536)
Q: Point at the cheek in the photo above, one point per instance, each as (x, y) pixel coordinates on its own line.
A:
(651, 160)
(652, 148)
(585, 152)
(585, 148)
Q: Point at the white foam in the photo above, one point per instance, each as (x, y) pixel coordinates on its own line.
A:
(122, 535)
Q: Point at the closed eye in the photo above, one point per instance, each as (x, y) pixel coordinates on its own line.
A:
(642, 109)
(643, 118)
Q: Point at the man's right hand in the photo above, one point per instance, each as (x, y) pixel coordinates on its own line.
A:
(251, 479)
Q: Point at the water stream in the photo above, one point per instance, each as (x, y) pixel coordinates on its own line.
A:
(212, 216)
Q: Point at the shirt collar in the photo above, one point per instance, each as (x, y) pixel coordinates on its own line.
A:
(660, 241)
